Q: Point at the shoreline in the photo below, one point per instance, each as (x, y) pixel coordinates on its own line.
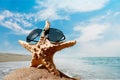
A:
(5, 57)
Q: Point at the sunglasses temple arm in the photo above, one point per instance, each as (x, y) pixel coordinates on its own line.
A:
(63, 38)
(35, 41)
(32, 40)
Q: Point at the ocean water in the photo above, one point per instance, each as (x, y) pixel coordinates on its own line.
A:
(91, 68)
(87, 68)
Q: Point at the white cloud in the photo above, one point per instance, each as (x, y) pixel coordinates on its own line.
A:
(19, 22)
(7, 13)
(49, 14)
(91, 32)
(99, 36)
(108, 49)
(1, 17)
(73, 5)
(14, 22)
(52, 9)
(15, 27)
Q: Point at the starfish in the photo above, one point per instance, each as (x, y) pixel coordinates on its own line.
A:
(44, 50)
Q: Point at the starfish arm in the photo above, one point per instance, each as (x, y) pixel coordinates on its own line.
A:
(43, 37)
(26, 45)
(46, 28)
(65, 45)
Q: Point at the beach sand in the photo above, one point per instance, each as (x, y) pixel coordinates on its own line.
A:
(4, 57)
(28, 72)
(32, 73)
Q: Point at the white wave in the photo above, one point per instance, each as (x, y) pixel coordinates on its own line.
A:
(73, 67)
(6, 67)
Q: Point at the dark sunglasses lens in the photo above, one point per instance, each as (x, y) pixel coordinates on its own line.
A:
(55, 35)
(35, 33)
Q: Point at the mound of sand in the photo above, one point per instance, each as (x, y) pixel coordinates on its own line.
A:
(34, 74)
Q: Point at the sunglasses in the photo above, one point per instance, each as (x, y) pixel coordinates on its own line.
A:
(53, 35)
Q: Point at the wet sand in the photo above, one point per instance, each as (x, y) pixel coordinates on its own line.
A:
(4, 57)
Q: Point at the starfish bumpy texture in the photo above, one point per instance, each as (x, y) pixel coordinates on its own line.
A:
(44, 50)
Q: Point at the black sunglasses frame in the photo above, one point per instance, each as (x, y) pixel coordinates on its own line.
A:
(49, 35)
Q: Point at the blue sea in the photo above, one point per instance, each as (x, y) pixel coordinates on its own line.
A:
(92, 68)
(86, 68)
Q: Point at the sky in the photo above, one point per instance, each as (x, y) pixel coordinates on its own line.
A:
(94, 24)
